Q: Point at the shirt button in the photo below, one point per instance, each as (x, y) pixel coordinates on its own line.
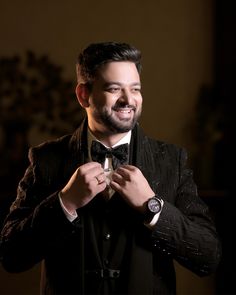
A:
(107, 236)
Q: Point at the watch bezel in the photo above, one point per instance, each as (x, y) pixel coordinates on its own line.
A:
(149, 215)
(150, 205)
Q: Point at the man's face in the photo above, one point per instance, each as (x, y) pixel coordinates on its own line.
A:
(115, 101)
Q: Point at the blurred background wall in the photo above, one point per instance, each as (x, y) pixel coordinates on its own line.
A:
(187, 61)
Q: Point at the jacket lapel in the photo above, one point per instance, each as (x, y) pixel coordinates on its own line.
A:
(77, 153)
(145, 157)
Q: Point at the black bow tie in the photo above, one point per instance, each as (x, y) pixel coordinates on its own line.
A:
(118, 154)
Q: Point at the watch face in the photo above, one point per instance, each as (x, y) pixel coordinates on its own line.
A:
(154, 205)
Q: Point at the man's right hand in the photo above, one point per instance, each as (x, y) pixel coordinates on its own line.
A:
(87, 181)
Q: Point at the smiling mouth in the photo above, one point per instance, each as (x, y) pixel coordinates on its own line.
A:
(125, 110)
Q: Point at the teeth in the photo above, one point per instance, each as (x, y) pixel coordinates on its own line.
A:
(125, 111)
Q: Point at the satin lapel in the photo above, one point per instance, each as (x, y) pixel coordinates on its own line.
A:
(141, 260)
(77, 156)
(145, 157)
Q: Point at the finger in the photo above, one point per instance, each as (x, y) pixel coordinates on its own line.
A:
(123, 172)
(91, 165)
(115, 186)
(100, 178)
(118, 178)
(128, 167)
(92, 169)
(101, 186)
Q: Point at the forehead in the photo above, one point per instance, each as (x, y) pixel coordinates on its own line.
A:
(120, 71)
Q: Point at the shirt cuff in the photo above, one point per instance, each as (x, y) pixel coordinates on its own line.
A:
(71, 217)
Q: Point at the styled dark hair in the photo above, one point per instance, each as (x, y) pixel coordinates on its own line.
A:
(98, 54)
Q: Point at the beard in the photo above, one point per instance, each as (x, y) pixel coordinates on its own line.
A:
(113, 123)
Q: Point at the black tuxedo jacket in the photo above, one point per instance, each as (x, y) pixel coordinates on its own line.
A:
(73, 254)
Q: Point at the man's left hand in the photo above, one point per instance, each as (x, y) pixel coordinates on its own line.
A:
(132, 185)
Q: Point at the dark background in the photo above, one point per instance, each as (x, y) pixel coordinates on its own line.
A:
(188, 87)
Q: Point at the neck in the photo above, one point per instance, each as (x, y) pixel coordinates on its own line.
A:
(108, 139)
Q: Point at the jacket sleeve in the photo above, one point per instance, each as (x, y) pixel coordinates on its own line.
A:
(36, 222)
(185, 230)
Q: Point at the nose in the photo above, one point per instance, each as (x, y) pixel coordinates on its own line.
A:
(127, 97)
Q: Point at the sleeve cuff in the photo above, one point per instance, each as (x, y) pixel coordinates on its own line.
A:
(71, 217)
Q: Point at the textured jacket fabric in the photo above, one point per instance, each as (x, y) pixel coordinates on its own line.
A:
(75, 255)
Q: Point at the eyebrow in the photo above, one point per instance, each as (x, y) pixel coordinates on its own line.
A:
(120, 84)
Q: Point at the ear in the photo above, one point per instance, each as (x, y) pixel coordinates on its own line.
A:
(82, 93)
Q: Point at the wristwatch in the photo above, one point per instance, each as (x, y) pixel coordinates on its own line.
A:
(153, 206)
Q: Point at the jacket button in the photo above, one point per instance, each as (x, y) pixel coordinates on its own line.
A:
(107, 236)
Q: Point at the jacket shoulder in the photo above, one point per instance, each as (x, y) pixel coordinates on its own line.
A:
(47, 159)
(50, 148)
(165, 148)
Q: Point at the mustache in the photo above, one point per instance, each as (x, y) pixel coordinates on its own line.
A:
(120, 105)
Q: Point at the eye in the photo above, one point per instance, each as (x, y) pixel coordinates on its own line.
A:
(113, 89)
(136, 89)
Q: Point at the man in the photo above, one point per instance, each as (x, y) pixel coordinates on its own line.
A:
(109, 221)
